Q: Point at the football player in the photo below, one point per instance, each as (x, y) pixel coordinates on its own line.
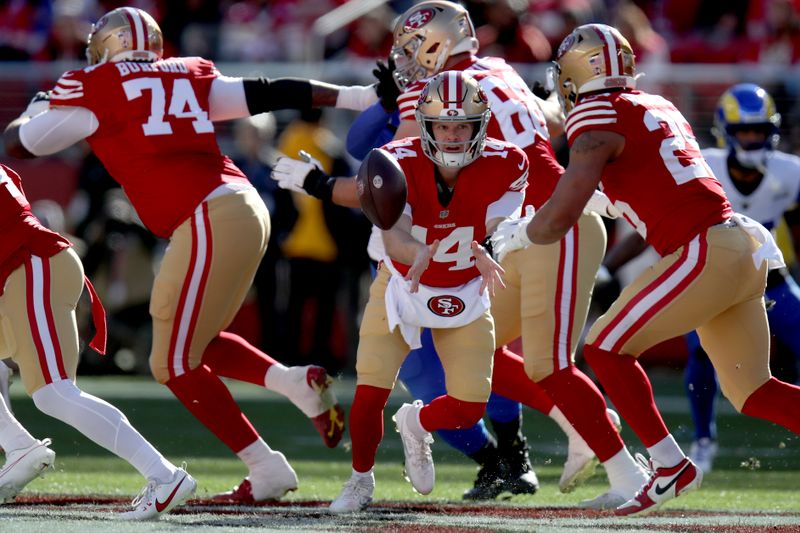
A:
(714, 262)
(433, 263)
(438, 35)
(41, 279)
(150, 120)
(764, 184)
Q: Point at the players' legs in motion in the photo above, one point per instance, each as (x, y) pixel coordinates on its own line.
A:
(203, 279)
(380, 355)
(701, 384)
(46, 340)
(422, 374)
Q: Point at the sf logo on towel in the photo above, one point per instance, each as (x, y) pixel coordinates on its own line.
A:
(446, 305)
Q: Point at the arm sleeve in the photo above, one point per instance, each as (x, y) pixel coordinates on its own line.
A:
(56, 129)
(263, 94)
(372, 128)
(227, 100)
(507, 206)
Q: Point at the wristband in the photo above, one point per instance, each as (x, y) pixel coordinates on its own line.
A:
(319, 185)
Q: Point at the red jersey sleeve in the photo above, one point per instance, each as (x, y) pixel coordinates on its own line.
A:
(593, 113)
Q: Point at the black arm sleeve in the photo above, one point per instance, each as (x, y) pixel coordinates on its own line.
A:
(264, 95)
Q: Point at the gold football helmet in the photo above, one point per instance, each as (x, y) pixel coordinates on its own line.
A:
(426, 35)
(125, 34)
(453, 96)
(593, 57)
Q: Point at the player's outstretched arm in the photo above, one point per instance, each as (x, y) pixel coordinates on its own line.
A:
(307, 177)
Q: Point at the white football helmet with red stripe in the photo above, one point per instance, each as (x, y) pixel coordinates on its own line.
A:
(594, 57)
(453, 96)
(125, 34)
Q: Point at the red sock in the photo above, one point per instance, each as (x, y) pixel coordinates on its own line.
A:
(776, 401)
(209, 400)
(230, 356)
(366, 424)
(510, 381)
(626, 383)
(446, 412)
(583, 405)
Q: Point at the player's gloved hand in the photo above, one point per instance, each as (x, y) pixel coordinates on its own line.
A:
(540, 90)
(38, 104)
(601, 204)
(511, 235)
(387, 88)
(304, 176)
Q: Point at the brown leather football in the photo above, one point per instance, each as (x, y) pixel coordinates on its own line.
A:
(382, 189)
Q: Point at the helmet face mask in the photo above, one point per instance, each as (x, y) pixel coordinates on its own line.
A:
(426, 36)
(594, 57)
(456, 98)
(744, 109)
(124, 34)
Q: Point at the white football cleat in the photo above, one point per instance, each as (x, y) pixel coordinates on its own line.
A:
(159, 498)
(419, 467)
(270, 482)
(607, 500)
(581, 463)
(356, 494)
(702, 453)
(23, 466)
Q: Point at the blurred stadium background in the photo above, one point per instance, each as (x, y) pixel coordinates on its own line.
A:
(305, 304)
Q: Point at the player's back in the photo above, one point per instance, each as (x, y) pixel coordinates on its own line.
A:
(502, 167)
(660, 181)
(154, 135)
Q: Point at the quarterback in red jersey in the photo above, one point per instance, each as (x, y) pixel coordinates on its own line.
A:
(41, 279)
(641, 151)
(556, 280)
(150, 121)
(435, 276)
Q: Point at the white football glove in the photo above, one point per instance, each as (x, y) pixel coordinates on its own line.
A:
(511, 234)
(291, 173)
(601, 204)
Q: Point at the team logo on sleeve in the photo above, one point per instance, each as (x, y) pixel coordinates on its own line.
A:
(446, 305)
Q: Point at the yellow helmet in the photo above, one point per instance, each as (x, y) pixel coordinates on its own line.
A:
(426, 35)
(125, 34)
(594, 57)
(453, 96)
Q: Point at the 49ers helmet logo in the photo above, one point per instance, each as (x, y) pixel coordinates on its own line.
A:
(418, 19)
(446, 305)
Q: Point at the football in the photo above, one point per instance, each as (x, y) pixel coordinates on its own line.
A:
(382, 188)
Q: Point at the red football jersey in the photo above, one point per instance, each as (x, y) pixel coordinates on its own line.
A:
(502, 167)
(154, 136)
(21, 234)
(516, 118)
(661, 182)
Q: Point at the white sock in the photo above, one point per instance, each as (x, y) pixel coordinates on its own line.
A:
(625, 476)
(105, 425)
(574, 440)
(256, 454)
(276, 379)
(12, 435)
(367, 474)
(666, 452)
(415, 425)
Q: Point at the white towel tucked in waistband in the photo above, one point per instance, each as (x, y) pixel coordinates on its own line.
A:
(768, 249)
(431, 307)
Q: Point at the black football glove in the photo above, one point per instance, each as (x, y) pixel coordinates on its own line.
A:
(387, 88)
(540, 90)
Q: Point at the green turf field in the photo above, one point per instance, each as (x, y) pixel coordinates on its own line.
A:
(757, 469)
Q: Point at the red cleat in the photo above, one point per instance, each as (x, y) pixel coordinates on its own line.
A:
(241, 494)
(331, 422)
(664, 484)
